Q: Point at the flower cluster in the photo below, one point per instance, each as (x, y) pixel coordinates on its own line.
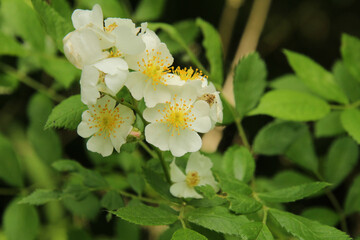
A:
(112, 54)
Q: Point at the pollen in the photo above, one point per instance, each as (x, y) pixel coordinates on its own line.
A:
(111, 27)
(188, 74)
(192, 179)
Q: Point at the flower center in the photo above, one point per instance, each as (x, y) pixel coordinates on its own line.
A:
(153, 66)
(188, 74)
(111, 27)
(192, 178)
(177, 115)
(209, 98)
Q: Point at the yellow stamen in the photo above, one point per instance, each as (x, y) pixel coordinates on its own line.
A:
(192, 179)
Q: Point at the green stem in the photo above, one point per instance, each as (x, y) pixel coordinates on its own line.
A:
(32, 83)
(348, 106)
(133, 107)
(164, 165)
(181, 215)
(147, 149)
(144, 199)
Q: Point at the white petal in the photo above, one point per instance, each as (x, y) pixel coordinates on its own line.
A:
(89, 94)
(157, 134)
(89, 76)
(155, 94)
(100, 145)
(127, 114)
(88, 82)
(81, 18)
(136, 83)
(135, 62)
(127, 41)
(155, 113)
(187, 141)
(112, 65)
(176, 174)
(201, 112)
(116, 82)
(120, 22)
(210, 180)
(165, 54)
(118, 138)
(172, 79)
(86, 127)
(182, 190)
(200, 163)
(104, 102)
(150, 39)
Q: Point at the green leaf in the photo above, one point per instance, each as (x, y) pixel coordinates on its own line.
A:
(294, 193)
(9, 46)
(329, 126)
(276, 137)
(302, 151)
(126, 230)
(290, 82)
(46, 143)
(188, 234)
(340, 160)
(290, 178)
(145, 215)
(62, 7)
(67, 114)
(137, 182)
(66, 166)
(112, 200)
(249, 82)
(158, 183)
(291, 105)
(110, 8)
(22, 20)
(149, 10)
(61, 69)
(54, 23)
(20, 221)
(264, 234)
(219, 219)
(41, 196)
(210, 198)
(350, 85)
(8, 83)
(306, 229)
(93, 179)
(188, 26)
(350, 119)
(242, 204)
(10, 170)
(322, 214)
(233, 186)
(315, 77)
(213, 47)
(350, 51)
(352, 200)
(239, 163)
(87, 207)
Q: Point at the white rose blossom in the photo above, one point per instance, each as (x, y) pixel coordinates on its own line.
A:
(152, 74)
(198, 173)
(107, 126)
(174, 125)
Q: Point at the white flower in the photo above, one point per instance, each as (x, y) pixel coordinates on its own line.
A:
(151, 76)
(107, 125)
(174, 124)
(212, 97)
(198, 173)
(107, 76)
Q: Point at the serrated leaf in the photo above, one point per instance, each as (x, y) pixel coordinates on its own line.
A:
(350, 85)
(10, 46)
(188, 234)
(352, 200)
(213, 47)
(149, 10)
(306, 229)
(112, 200)
(20, 221)
(87, 207)
(67, 114)
(322, 215)
(329, 126)
(302, 151)
(350, 119)
(276, 137)
(76, 191)
(22, 20)
(219, 219)
(290, 178)
(340, 160)
(54, 23)
(294, 193)
(239, 163)
(242, 204)
(146, 215)
(137, 182)
(249, 82)
(41, 196)
(291, 105)
(350, 51)
(66, 166)
(126, 230)
(290, 82)
(264, 234)
(10, 170)
(315, 77)
(210, 198)
(93, 179)
(230, 185)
